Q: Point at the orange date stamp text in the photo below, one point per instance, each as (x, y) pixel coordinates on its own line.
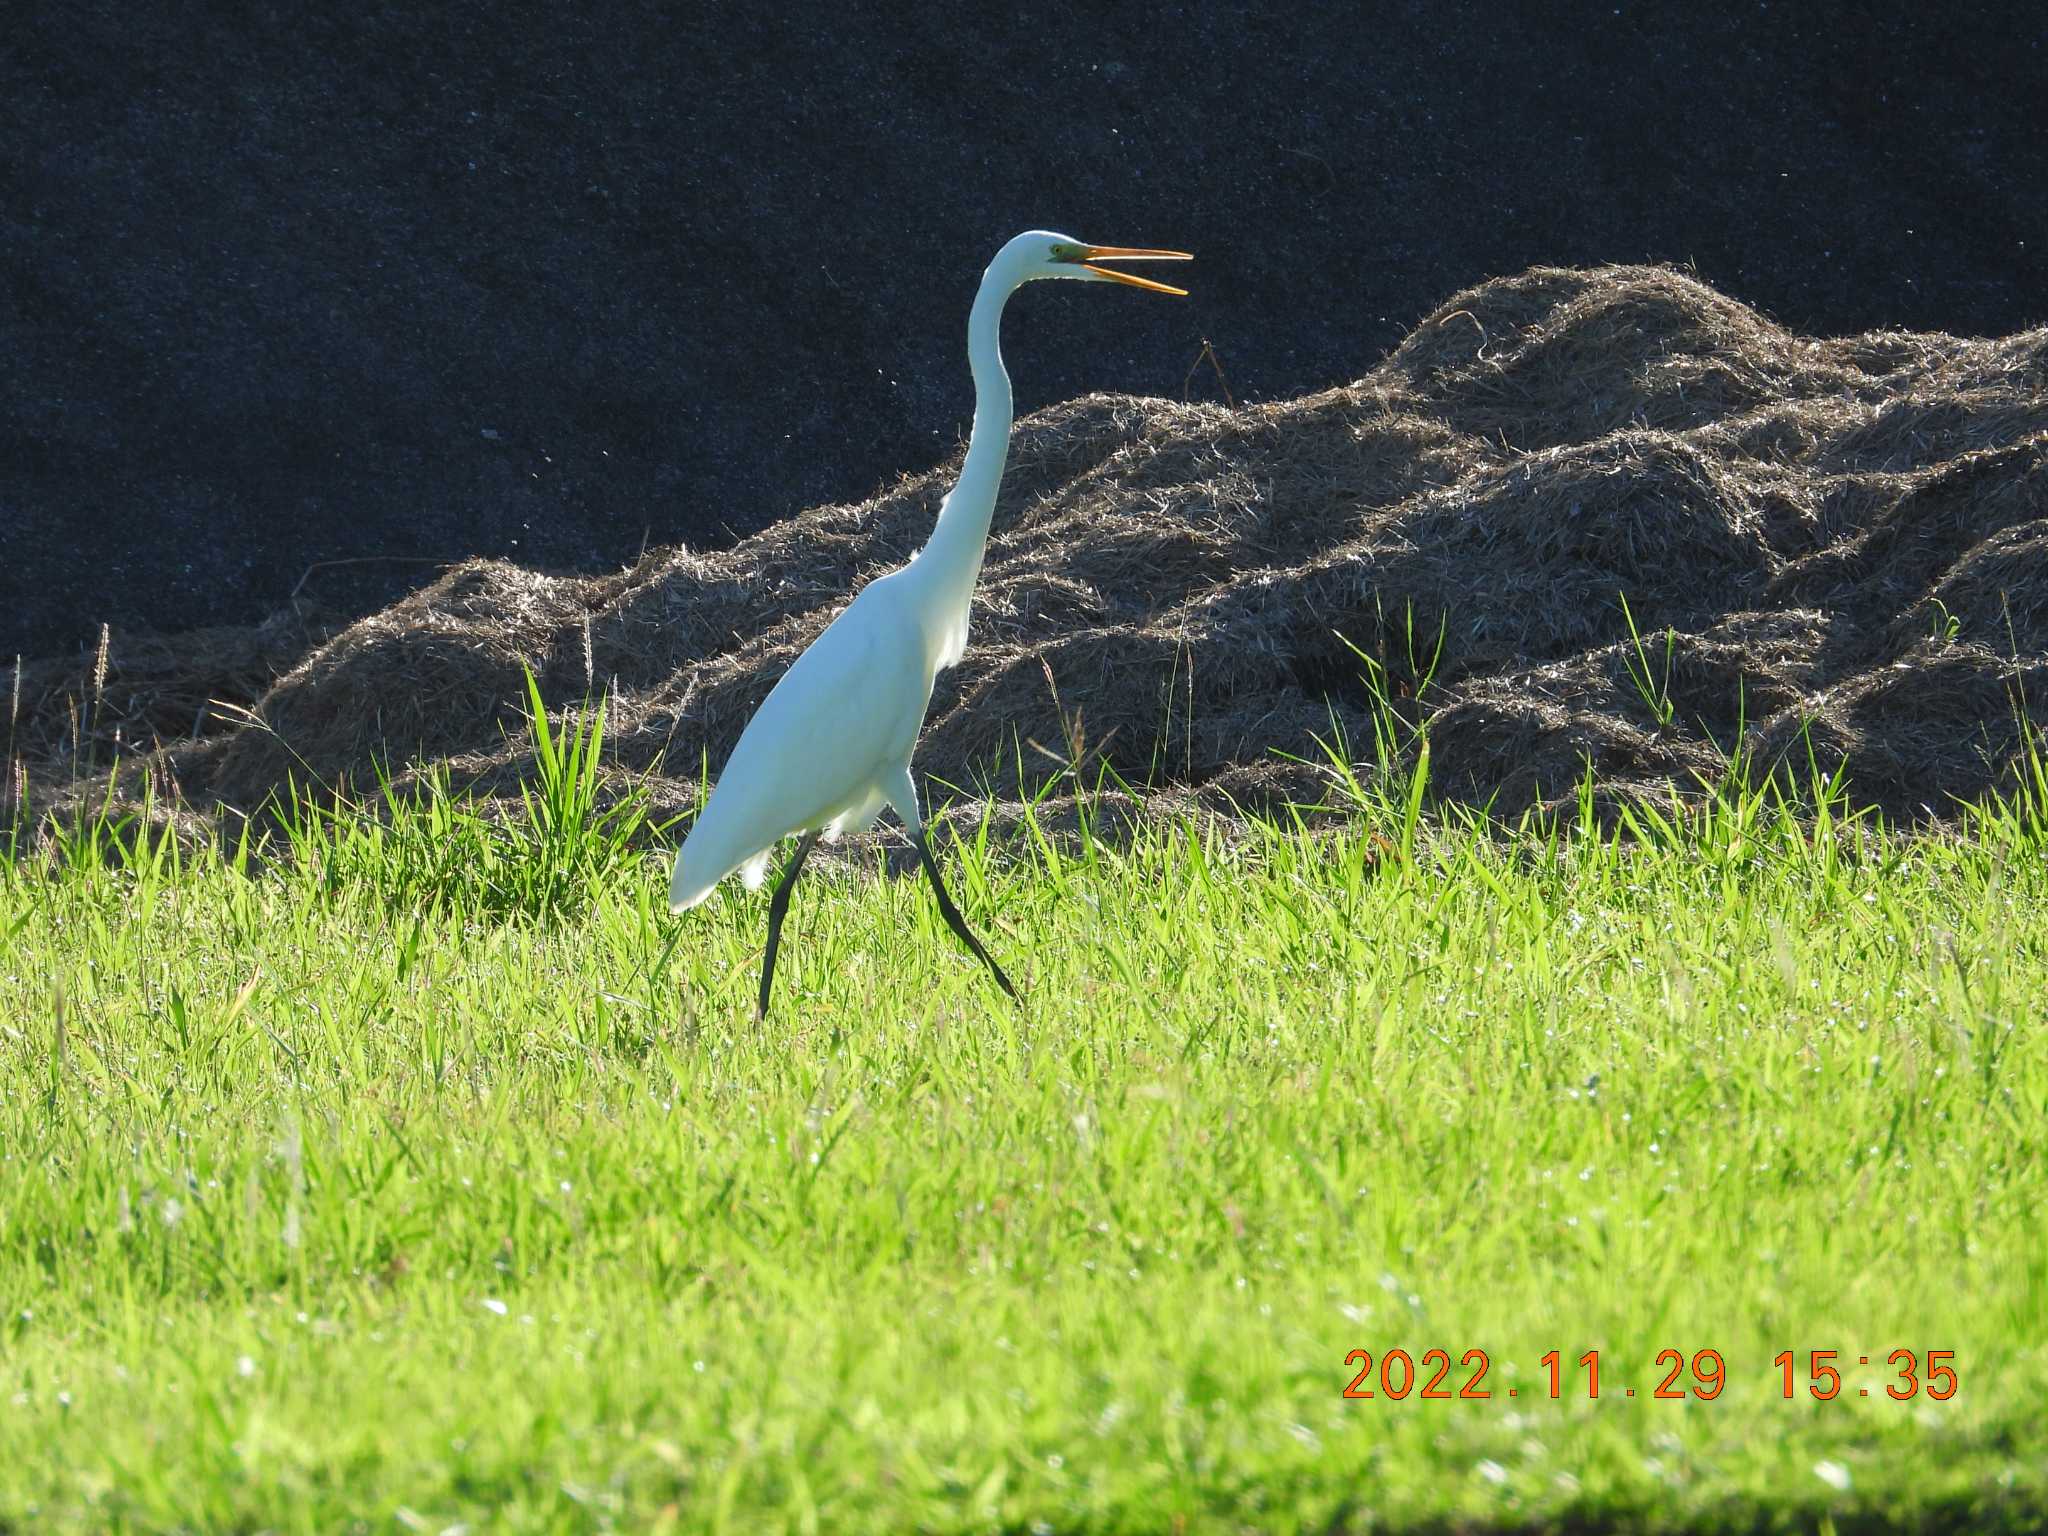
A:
(1396, 1374)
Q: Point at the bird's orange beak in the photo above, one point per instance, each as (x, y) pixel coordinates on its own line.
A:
(1091, 254)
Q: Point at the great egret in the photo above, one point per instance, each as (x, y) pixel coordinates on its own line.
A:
(831, 744)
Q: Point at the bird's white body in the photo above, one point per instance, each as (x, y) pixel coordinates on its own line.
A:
(831, 744)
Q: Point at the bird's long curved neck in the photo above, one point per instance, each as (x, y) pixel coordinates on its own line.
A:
(951, 559)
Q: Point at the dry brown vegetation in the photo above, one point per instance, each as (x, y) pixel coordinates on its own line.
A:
(1830, 545)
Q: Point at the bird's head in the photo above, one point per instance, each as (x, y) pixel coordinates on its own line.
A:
(1040, 253)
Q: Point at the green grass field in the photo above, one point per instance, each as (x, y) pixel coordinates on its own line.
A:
(351, 1192)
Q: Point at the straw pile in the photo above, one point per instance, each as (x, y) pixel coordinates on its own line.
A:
(1827, 546)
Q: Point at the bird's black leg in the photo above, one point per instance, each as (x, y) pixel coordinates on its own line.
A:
(952, 915)
(778, 906)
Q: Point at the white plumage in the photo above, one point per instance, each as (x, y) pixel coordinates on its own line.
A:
(832, 742)
(827, 747)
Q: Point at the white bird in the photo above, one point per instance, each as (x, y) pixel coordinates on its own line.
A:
(831, 744)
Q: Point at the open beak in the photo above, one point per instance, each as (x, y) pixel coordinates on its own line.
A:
(1091, 254)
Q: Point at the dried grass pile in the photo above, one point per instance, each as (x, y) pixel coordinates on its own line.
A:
(1835, 544)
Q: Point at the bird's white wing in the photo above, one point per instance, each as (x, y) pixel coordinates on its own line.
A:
(846, 712)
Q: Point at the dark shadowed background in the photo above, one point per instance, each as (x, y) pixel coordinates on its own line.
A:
(297, 285)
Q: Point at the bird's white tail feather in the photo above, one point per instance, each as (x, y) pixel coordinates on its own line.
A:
(681, 897)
